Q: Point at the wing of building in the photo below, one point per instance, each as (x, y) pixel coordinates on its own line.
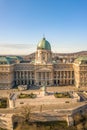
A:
(61, 72)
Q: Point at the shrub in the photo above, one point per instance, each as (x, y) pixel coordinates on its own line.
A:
(3, 103)
(27, 95)
(62, 95)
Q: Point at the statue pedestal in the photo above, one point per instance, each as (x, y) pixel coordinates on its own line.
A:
(43, 91)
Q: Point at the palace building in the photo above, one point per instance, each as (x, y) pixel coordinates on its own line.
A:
(43, 70)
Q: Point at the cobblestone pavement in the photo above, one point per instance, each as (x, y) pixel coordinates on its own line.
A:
(37, 89)
(49, 107)
(45, 108)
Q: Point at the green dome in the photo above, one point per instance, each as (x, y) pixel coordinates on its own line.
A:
(44, 44)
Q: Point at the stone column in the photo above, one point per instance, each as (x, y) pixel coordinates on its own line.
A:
(20, 74)
(16, 78)
(60, 78)
(41, 77)
(67, 74)
(45, 78)
(30, 79)
(17, 74)
(71, 77)
(27, 77)
(37, 78)
(50, 78)
(20, 77)
(56, 78)
(64, 77)
(23, 78)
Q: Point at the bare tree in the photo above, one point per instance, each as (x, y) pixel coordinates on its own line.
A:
(26, 113)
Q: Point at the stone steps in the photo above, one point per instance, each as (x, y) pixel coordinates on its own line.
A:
(6, 121)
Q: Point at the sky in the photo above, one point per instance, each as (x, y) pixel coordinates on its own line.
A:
(24, 22)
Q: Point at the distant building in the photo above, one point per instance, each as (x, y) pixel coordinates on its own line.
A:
(63, 72)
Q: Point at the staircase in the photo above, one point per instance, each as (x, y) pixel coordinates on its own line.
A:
(6, 121)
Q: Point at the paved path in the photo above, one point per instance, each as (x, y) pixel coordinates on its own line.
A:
(45, 108)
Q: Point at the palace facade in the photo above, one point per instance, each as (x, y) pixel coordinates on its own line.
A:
(15, 71)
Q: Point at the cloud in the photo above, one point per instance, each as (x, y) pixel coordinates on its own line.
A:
(8, 48)
(17, 46)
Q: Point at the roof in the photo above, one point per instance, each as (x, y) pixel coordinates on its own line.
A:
(5, 60)
(81, 60)
(16, 57)
(44, 44)
(9, 59)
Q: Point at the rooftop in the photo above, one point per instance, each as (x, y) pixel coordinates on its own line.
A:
(81, 60)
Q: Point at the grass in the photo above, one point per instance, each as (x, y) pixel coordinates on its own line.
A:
(3, 103)
(62, 95)
(27, 95)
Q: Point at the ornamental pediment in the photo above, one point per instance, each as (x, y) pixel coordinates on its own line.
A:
(44, 69)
